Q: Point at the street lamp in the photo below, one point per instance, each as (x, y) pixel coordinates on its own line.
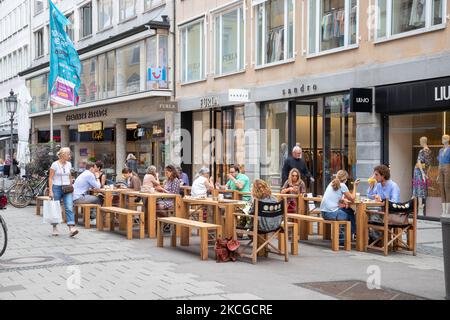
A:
(11, 106)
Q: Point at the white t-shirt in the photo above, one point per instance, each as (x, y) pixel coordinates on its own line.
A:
(330, 200)
(62, 173)
(198, 187)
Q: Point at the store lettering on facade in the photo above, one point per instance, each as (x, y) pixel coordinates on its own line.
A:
(87, 115)
(209, 102)
(301, 89)
(442, 93)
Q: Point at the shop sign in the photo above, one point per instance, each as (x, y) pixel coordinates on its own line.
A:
(301, 89)
(100, 113)
(209, 102)
(238, 95)
(156, 74)
(98, 135)
(170, 106)
(361, 99)
(92, 126)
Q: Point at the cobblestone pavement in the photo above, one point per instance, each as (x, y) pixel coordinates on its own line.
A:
(104, 265)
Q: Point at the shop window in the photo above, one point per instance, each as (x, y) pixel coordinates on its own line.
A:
(193, 51)
(401, 16)
(127, 9)
(229, 41)
(128, 69)
(105, 14)
(333, 24)
(274, 31)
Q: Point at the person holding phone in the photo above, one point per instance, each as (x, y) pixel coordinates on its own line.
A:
(293, 185)
(334, 205)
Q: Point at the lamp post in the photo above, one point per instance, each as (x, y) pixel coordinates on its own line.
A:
(11, 106)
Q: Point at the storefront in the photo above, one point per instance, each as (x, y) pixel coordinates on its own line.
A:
(411, 111)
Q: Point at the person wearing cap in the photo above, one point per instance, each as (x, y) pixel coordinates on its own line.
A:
(202, 184)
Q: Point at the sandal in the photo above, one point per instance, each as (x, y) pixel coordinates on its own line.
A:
(74, 233)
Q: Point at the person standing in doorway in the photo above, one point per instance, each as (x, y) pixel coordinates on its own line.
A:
(296, 161)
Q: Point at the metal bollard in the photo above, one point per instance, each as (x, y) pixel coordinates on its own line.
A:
(445, 221)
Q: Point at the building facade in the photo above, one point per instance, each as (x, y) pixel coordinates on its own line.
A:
(14, 57)
(126, 52)
(257, 77)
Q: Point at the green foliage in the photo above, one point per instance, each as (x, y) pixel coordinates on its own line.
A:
(41, 158)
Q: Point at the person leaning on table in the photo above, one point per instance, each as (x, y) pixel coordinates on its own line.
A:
(202, 184)
(60, 175)
(333, 205)
(88, 180)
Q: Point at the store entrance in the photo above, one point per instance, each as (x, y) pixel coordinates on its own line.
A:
(306, 123)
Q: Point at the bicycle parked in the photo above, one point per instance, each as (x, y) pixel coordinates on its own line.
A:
(3, 228)
(23, 191)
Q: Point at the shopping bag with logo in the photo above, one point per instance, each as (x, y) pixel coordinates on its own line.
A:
(52, 212)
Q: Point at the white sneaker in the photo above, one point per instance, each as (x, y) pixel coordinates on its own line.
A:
(94, 221)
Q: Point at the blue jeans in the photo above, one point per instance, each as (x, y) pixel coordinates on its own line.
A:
(68, 203)
(341, 215)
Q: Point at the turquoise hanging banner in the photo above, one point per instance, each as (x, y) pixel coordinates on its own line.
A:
(65, 66)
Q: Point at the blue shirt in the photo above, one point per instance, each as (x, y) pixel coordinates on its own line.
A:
(390, 191)
(185, 179)
(84, 183)
(444, 158)
(331, 198)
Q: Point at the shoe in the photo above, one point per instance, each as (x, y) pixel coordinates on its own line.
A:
(341, 243)
(93, 221)
(55, 232)
(73, 233)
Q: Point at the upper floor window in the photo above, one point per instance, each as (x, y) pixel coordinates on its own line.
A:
(127, 9)
(70, 27)
(105, 13)
(229, 41)
(86, 20)
(148, 4)
(193, 51)
(38, 6)
(274, 31)
(332, 24)
(39, 43)
(400, 16)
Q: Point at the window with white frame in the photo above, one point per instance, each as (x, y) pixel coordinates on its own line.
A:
(105, 14)
(400, 16)
(157, 57)
(127, 9)
(39, 43)
(25, 58)
(274, 30)
(332, 24)
(70, 27)
(86, 20)
(229, 41)
(148, 4)
(38, 6)
(129, 68)
(193, 51)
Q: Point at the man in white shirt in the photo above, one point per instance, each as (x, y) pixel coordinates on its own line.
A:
(89, 179)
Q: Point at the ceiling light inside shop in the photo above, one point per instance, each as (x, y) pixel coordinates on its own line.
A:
(132, 125)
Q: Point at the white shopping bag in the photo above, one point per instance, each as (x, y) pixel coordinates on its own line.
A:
(52, 212)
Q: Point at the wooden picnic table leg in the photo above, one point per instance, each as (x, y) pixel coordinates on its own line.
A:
(159, 233)
(129, 219)
(151, 218)
(360, 227)
(141, 225)
(123, 219)
(204, 243)
(229, 210)
(184, 231)
(108, 199)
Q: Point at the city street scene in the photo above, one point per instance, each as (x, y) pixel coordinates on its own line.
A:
(240, 151)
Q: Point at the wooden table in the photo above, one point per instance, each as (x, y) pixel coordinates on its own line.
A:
(151, 206)
(229, 207)
(361, 222)
(108, 193)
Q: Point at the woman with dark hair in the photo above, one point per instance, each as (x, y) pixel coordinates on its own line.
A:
(172, 185)
(102, 176)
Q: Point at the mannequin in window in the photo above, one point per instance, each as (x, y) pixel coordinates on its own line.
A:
(420, 179)
(444, 174)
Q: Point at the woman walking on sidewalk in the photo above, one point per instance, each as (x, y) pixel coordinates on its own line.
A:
(60, 186)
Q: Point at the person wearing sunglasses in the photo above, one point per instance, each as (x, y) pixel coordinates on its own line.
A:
(293, 185)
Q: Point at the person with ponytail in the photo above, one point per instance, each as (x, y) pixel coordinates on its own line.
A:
(332, 202)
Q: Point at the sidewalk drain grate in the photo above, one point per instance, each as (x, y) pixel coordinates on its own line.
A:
(356, 290)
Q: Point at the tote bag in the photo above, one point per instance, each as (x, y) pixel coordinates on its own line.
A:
(52, 212)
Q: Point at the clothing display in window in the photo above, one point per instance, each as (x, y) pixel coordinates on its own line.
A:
(420, 179)
(417, 17)
(333, 25)
(275, 40)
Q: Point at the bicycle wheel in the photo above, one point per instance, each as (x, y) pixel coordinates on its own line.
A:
(20, 195)
(3, 236)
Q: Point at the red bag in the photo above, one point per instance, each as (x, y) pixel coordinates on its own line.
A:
(292, 207)
(225, 250)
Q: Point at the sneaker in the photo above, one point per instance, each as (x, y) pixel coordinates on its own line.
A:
(73, 233)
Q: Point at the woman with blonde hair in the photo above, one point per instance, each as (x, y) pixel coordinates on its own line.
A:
(336, 198)
(60, 187)
(261, 192)
(293, 185)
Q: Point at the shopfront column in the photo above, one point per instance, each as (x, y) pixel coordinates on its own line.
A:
(121, 143)
(252, 140)
(65, 136)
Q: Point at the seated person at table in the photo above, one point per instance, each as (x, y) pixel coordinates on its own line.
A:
(172, 185)
(293, 185)
(238, 181)
(381, 187)
(332, 206)
(87, 180)
(261, 192)
(132, 179)
(202, 184)
(151, 181)
(102, 175)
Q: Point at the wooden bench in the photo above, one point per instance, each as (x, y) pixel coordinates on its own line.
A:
(294, 240)
(86, 210)
(202, 226)
(39, 201)
(335, 224)
(110, 213)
